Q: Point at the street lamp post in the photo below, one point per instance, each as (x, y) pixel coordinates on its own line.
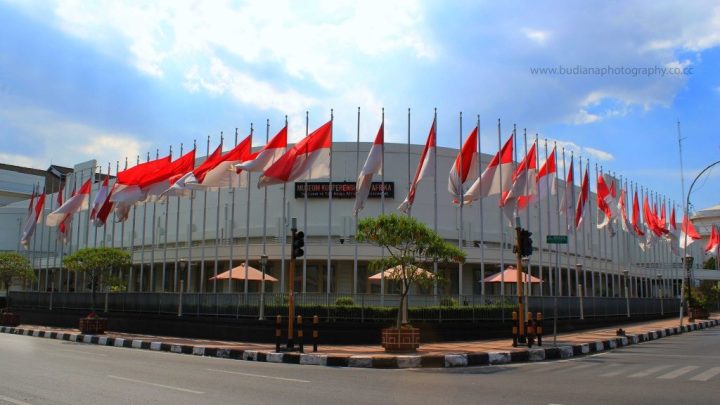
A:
(688, 259)
(688, 262)
(263, 263)
(627, 292)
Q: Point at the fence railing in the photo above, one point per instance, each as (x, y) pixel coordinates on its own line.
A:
(358, 307)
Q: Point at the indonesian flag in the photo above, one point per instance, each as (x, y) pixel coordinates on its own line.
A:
(489, 182)
(650, 218)
(523, 185)
(584, 191)
(267, 156)
(711, 248)
(153, 184)
(567, 205)
(427, 160)
(101, 198)
(309, 159)
(637, 225)
(673, 233)
(547, 177)
(126, 190)
(605, 201)
(663, 219)
(64, 228)
(78, 202)
(622, 209)
(224, 173)
(29, 223)
(373, 165)
(688, 233)
(468, 159)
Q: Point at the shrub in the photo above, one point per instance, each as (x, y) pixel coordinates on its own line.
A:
(344, 301)
(449, 302)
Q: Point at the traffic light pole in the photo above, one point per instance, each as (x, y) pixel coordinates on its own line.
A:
(520, 282)
(291, 302)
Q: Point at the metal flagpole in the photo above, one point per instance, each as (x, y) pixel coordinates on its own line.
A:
(177, 237)
(382, 204)
(204, 228)
(500, 222)
(409, 179)
(480, 214)
(131, 278)
(33, 252)
(357, 170)
(231, 225)
(263, 258)
(92, 178)
(142, 239)
(188, 266)
(90, 203)
(57, 264)
(435, 216)
(165, 242)
(217, 234)
(330, 199)
(305, 217)
(114, 220)
(460, 198)
(47, 263)
(45, 251)
(152, 235)
(247, 218)
(283, 233)
(526, 279)
(122, 223)
(573, 209)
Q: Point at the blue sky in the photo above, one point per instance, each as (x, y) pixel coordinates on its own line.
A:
(109, 79)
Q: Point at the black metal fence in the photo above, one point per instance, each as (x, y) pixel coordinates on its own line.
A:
(358, 307)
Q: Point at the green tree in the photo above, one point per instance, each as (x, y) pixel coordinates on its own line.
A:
(410, 246)
(96, 264)
(709, 264)
(14, 266)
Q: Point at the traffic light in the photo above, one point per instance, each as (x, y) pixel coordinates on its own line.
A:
(298, 242)
(526, 248)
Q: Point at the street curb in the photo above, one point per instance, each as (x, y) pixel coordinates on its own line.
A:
(383, 361)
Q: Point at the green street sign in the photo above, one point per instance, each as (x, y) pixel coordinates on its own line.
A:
(557, 239)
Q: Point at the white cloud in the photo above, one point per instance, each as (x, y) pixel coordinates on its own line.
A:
(598, 154)
(537, 36)
(19, 160)
(62, 141)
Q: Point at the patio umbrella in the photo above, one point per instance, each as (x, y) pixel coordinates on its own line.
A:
(391, 272)
(238, 273)
(509, 275)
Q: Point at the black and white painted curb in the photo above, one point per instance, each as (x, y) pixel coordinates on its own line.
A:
(368, 361)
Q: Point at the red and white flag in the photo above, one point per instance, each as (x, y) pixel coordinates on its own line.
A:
(267, 156)
(101, 198)
(622, 209)
(500, 168)
(547, 177)
(424, 169)
(184, 185)
(29, 223)
(523, 185)
(606, 204)
(309, 159)
(584, 192)
(154, 184)
(636, 224)
(373, 165)
(673, 233)
(127, 191)
(688, 233)
(78, 202)
(651, 220)
(224, 174)
(711, 248)
(567, 205)
(468, 159)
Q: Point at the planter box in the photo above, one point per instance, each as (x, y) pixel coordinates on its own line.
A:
(9, 319)
(698, 313)
(93, 326)
(400, 339)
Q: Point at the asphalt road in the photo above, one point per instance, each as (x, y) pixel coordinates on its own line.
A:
(682, 368)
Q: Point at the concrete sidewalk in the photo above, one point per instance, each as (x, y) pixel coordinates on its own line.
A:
(449, 354)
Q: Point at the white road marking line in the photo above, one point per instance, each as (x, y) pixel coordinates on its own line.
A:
(170, 387)
(580, 367)
(13, 401)
(678, 372)
(258, 375)
(648, 371)
(706, 375)
(616, 372)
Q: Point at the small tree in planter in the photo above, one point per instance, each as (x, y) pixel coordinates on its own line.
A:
(13, 266)
(410, 246)
(96, 264)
